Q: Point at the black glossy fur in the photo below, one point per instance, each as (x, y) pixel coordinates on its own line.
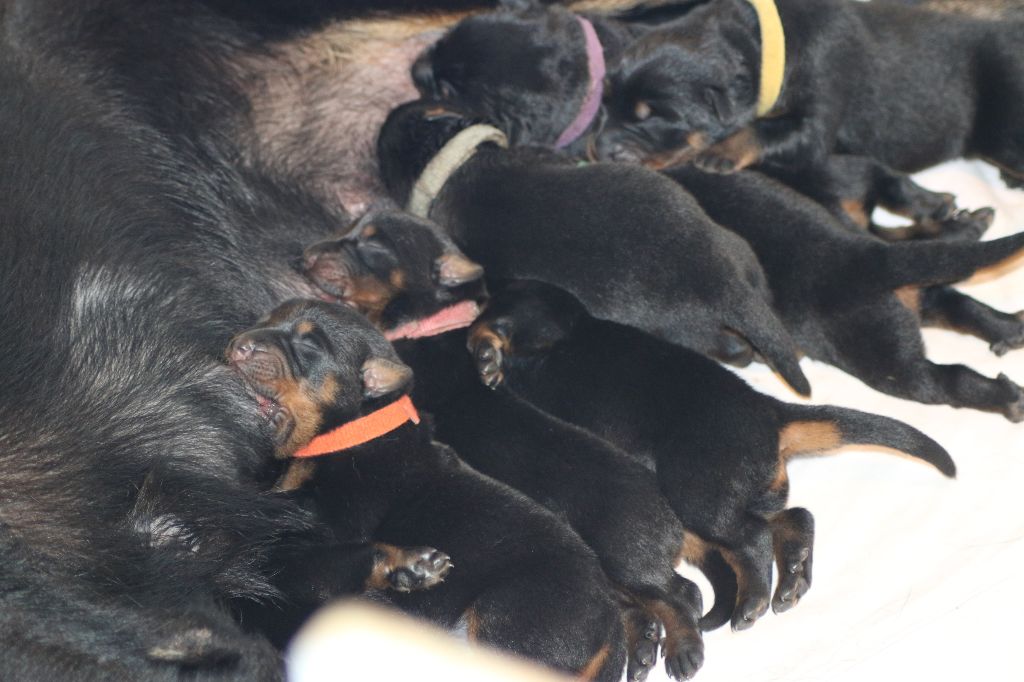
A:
(719, 447)
(906, 86)
(858, 303)
(623, 238)
(524, 69)
(522, 581)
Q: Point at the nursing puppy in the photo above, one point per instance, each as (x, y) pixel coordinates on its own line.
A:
(720, 448)
(859, 79)
(526, 70)
(858, 303)
(611, 501)
(523, 581)
(626, 240)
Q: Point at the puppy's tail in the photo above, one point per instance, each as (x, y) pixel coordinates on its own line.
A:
(943, 262)
(723, 581)
(772, 341)
(810, 430)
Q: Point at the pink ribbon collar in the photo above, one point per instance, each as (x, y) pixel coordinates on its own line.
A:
(592, 101)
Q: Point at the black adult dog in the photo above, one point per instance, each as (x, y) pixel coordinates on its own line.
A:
(523, 580)
(719, 447)
(133, 495)
(515, 67)
(860, 78)
(626, 240)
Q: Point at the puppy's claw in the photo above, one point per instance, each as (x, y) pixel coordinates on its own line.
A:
(645, 653)
(489, 359)
(424, 568)
(748, 612)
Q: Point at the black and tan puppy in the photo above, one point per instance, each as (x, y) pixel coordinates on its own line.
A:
(906, 86)
(720, 448)
(858, 303)
(523, 580)
(610, 500)
(525, 69)
(626, 240)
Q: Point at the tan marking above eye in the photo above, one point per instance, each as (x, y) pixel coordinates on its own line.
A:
(368, 231)
(305, 327)
(397, 278)
(642, 111)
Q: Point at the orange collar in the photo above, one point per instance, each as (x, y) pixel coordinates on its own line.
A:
(362, 430)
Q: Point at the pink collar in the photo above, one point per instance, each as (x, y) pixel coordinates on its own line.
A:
(453, 317)
(592, 101)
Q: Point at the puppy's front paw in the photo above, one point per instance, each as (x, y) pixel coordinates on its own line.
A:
(793, 582)
(418, 568)
(710, 162)
(736, 152)
(487, 349)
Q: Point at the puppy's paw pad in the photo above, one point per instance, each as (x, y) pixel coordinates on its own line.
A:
(1014, 407)
(421, 568)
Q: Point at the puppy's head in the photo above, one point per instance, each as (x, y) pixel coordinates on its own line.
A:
(524, 68)
(524, 318)
(313, 365)
(411, 136)
(676, 92)
(396, 269)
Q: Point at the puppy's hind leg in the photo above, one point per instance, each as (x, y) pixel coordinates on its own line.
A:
(943, 306)
(750, 556)
(643, 641)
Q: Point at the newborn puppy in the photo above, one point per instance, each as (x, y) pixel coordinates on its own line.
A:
(627, 241)
(526, 70)
(858, 303)
(858, 78)
(720, 448)
(524, 581)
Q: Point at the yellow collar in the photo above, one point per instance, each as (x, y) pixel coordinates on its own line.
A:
(773, 54)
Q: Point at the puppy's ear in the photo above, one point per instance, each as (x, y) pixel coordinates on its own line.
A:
(382, 376)
(720, 102)
(423, 74)
(452, 269)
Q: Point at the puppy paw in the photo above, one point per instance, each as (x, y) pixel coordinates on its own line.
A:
(418, 568)
(487, 353)
(710, 162)
(1004, 346)
(966, 225)
(748, 611)
(645, 653)
(684, 663)
(1014, 409)
(793, 582)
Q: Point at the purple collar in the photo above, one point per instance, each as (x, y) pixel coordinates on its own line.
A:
(592, 101)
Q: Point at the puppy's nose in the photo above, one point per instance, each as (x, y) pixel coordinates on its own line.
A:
(242, 349)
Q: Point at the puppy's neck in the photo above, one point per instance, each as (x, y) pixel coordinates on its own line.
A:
(456, 152)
